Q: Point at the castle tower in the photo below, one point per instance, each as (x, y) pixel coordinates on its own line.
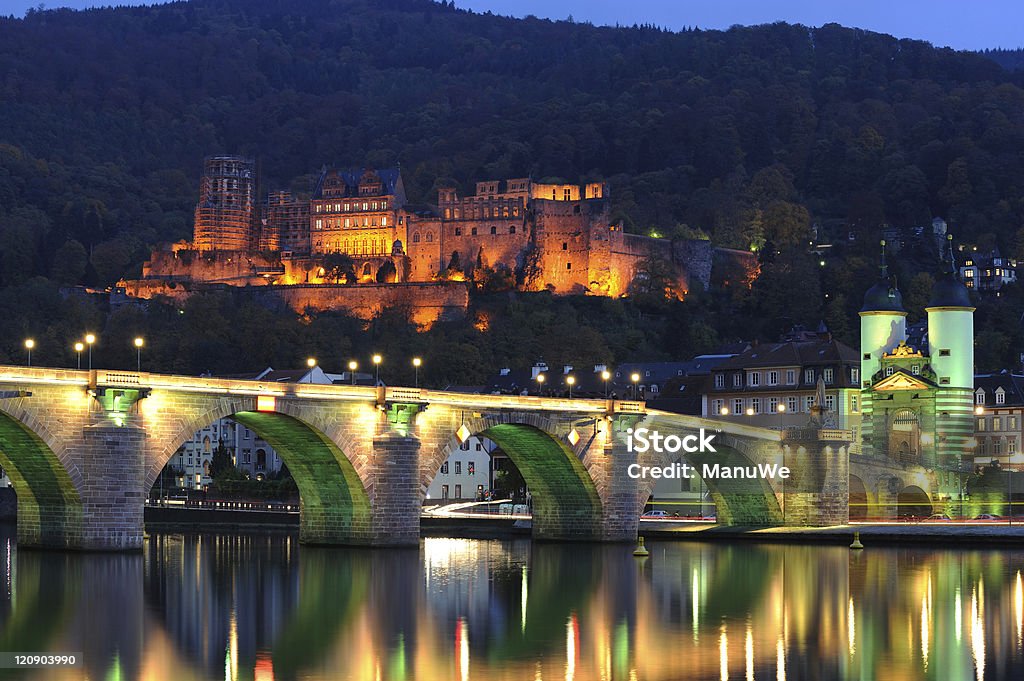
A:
(883, 322)
(225, 216)
(951, 350)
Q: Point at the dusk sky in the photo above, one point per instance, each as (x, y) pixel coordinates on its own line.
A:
(958, 24)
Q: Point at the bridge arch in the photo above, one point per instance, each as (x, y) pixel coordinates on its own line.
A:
(859, 504)
(565, 500)
(738, 501)
(333, 498)
(914, 501)
(49, 503)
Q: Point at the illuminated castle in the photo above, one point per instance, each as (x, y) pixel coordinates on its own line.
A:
(357, 227)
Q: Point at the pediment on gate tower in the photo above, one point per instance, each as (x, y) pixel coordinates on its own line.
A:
(900, 381)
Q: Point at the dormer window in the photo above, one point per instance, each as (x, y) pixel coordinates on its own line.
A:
(1000, 396)
(979, 396)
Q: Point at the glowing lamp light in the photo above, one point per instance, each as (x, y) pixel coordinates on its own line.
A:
(750, 411)
(139, 342)
(417, 362)
(79, 347)
(979, 410)
(311, 362)
(605, 375)
(266, 403)
(377, 359)
(724, 411)
(781, 408)
(463, 433)
(574, 437)
(29, 344)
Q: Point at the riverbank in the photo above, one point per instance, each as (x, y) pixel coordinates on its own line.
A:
(945, 534)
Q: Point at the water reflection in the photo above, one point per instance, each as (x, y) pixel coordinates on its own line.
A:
(261, 607)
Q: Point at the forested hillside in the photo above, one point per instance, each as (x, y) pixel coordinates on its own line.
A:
(751, 135)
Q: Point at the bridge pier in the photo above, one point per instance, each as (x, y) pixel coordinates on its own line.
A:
(621, 502)
(394, 490)
(112, 463)
(817, 494)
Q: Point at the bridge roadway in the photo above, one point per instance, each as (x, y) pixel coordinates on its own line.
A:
(83, 449)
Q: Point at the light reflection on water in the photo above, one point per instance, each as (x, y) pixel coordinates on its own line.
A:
(262, 607)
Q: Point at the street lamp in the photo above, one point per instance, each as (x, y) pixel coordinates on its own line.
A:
(605, 375)
(416, 362)
(352, 366)
(750, 411)
(90, 338)
(540, 382)
(724, 411)
(571, 380)
(79, 346)
(377, 359)
(635, 377)
(29, 344)
(311, 362)
(139, 342)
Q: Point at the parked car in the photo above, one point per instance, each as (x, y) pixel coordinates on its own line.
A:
(989, 517)
(939, 517)
(657, 513)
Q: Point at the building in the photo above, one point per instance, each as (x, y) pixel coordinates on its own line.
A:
(918, 402)
(987, 271)
(999, 419)
(247, 450)
(466, 474)
(774, 385)
(225, 217)
(356, 212)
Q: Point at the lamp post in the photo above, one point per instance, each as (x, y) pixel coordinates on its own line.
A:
(571, 381)
(781, 409)
(29, 344)
(540, 384)
(416, 362)
(139, 342)
(352, 366)
(605, 375)
(90, 338)
(79, 346)
(311, 362)
(635, 377)
(377, 359)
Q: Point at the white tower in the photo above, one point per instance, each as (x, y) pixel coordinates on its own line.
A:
(883, 323)
(951, 330)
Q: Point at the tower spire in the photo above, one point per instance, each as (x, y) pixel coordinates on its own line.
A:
(948, 253)
(884, 267)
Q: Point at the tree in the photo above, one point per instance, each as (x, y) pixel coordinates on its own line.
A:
(69, 263)
(220, 463)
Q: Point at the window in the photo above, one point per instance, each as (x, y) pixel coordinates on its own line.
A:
(854, 404)
(737, 406)
(944, 352)
(430, 237)
(888, 371)
(566, 195)
(854, 376)
(716, 407)
(1000, 396)
(981, 425)
(1011, 446)
(719, 380)
(755, 405)
(472, 232)
(1011, 423)
(512, 229)
(415, 237)
(979, 396)
(471, 467)
(753, 378)
(792, 404)
(444, 491)
(565, 246)
(867, 355)
(773, 405)
(997, 423)
(494, 230)
(808, 402)
(998, 447)
(458, 468)
(915, 369)
(568, 265)
(773, 378)
(444, 468)
(828, 374)
(458, 231)
(790, 376)
(458, 491)
(830, 402)
(737, 380)
(808, 375)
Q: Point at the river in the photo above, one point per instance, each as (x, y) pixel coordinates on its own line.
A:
(263, 607)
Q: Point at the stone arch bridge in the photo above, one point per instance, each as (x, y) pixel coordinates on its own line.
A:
(83, 449)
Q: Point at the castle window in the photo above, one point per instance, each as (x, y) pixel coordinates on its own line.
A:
(566, 195)
(565, 246)
(348, 206)
(384, 222)
(348, 222)
(367, 271)
(383, 205)
(458, 231)
(430, 237)
(415, 237)
(447, 213)
(512, 229)
(319, 223)
(473, 231)
(494, 230)
(366, 205)
(568, 265)
(373, 205)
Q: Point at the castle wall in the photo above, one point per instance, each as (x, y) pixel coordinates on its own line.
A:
(426, 302)
(563, 240)
(423, 245)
